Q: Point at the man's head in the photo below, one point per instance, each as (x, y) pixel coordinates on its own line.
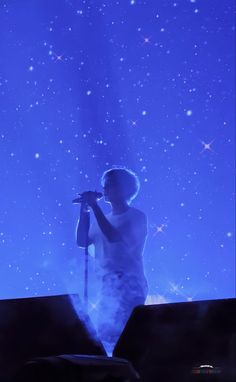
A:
(120, 184)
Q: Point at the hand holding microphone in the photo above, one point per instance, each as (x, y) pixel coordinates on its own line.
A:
(88, 197)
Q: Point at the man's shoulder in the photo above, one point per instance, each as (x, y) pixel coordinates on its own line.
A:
(138, 223)
(137, 214)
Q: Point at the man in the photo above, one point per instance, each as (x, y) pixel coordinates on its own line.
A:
(119, 239)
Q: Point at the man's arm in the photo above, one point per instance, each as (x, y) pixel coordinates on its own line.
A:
(112, 234)
(130, 234)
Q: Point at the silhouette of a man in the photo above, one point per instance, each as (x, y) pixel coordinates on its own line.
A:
(119, 239)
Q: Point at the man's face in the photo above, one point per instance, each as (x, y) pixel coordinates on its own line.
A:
(111, 191)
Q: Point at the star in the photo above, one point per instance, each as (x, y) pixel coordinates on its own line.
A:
(159, 229)
(93, 305)
(56, 57)
(146, 40)
(174, 287)
(207, 146)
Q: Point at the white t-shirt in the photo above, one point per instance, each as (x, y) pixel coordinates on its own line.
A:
(125, 256)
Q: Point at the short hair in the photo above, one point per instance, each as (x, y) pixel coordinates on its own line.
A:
(125, 179)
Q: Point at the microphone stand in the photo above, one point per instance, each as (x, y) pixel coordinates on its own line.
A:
(86, 223)
(86, 257)
(86, 262)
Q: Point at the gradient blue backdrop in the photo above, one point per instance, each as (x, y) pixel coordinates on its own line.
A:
(85, 85)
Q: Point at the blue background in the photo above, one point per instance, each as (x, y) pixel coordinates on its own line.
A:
(85, 85)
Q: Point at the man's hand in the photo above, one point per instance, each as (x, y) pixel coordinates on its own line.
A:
(89, 197)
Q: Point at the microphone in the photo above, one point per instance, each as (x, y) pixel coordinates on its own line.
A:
(78, 200)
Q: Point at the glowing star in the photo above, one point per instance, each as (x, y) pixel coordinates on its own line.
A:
(207, 146)
(189, 113)
(36, 155)
(178, 290)
(134, 123)
(56, 57)
(59, 57)
(93, 305)
(146, 40)
(174, 287)
(159, 229)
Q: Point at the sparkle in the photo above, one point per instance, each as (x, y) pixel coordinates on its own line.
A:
(207, 146)
(93, 305)
(159, 229)
(59, 57)
(146, 40)
(55, 56)
(36, 155)
(175, 288)
(189, 113)
(178, 289)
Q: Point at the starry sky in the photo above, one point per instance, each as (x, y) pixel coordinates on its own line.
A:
(87, 84)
